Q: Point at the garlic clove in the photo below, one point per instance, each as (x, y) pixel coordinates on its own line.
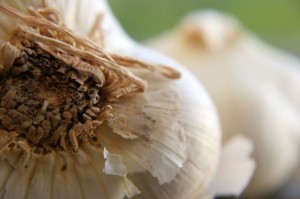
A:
(235, 168)
(253, 85)
(195, 173)
(156, 131)
(148, 124)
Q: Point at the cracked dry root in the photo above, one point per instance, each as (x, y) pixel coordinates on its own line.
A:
(56, 87)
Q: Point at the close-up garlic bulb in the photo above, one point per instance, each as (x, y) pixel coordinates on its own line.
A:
(255, 88)
(88, 113)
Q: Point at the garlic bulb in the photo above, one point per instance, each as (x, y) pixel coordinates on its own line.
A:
(86, 113)
(254, 86)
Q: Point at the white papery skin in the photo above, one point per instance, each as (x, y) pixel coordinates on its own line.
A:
(179, 162)
(254, 86)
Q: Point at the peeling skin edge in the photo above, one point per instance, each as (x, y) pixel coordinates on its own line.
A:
(114, 164)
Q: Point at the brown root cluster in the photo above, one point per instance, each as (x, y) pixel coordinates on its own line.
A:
(56, 87)
(48, 102)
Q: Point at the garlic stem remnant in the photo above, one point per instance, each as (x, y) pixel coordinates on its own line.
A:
(53, 93)
(43, 98)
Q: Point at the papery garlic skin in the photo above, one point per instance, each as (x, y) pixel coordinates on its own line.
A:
(157, 128)
(254, 86)
(200, 112)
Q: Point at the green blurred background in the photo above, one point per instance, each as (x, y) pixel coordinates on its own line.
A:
(277, 21)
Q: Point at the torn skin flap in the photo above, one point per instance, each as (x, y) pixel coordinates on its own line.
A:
(113, 164)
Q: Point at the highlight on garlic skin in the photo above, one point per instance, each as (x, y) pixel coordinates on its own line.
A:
(255, 88)
(87, 113)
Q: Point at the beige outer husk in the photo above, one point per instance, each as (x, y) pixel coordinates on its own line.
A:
(254, 86)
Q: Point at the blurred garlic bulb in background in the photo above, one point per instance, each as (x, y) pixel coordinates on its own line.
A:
(255, 88)
(87, 113)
